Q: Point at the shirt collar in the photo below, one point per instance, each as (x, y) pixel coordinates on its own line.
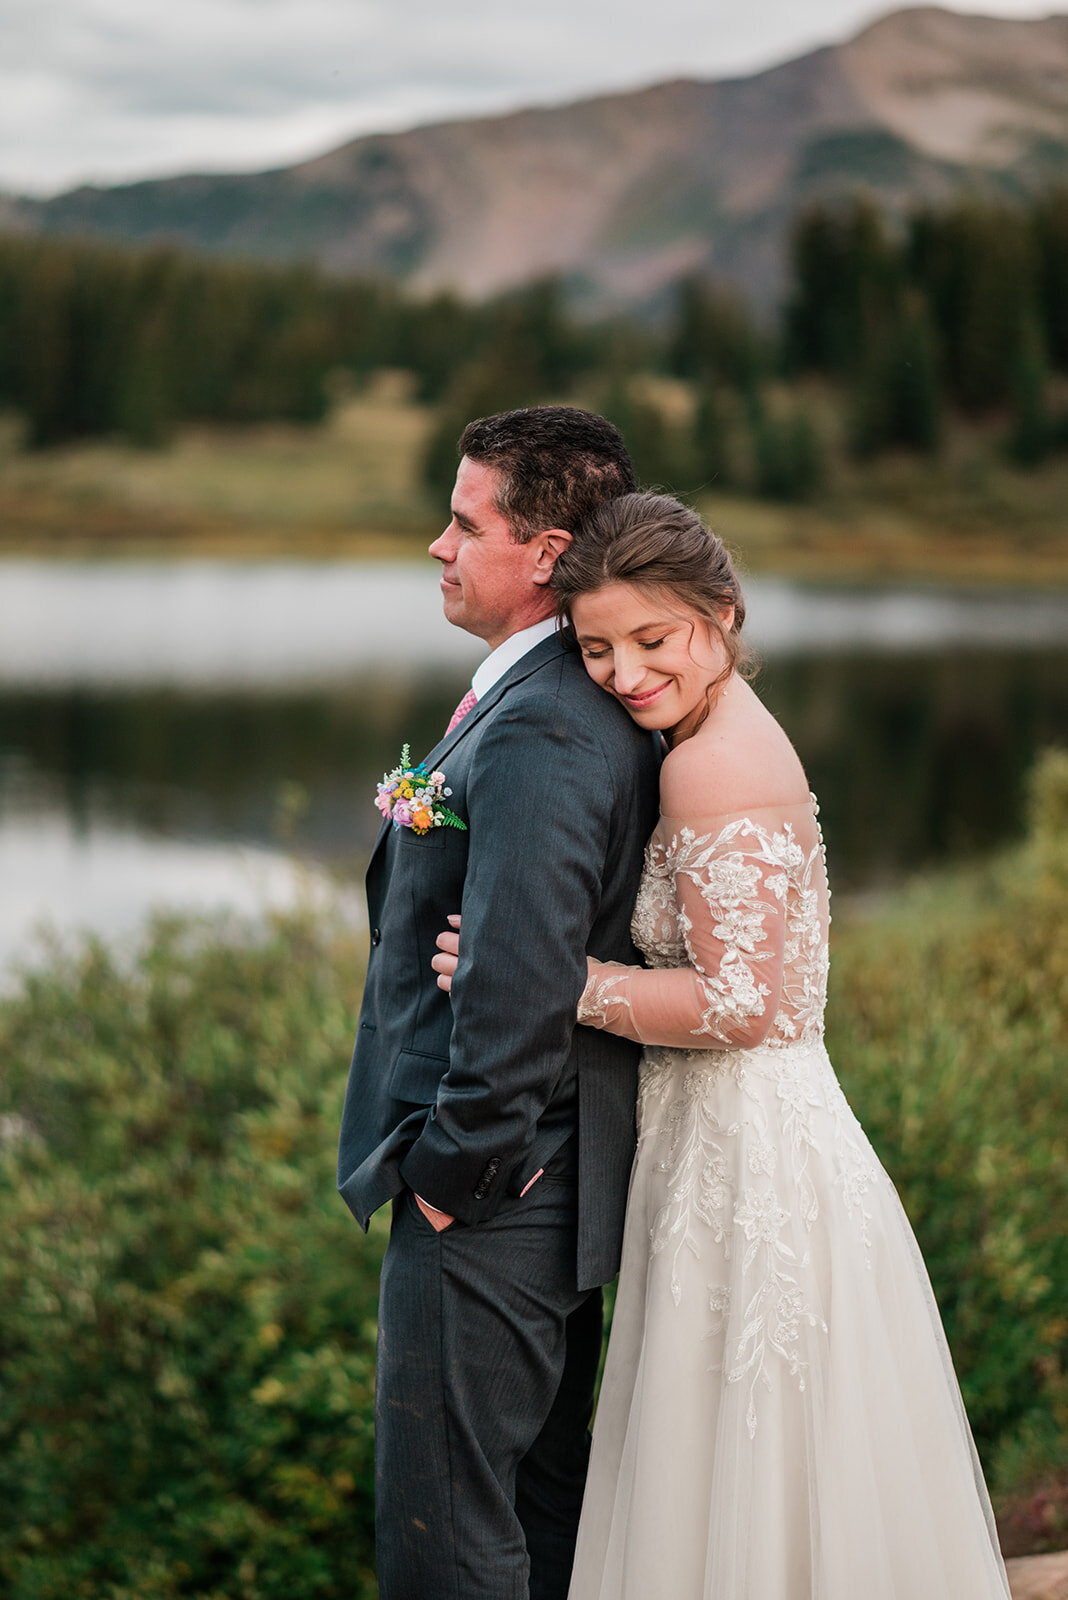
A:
(514, 648)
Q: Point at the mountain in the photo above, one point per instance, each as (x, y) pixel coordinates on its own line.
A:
(622, 193)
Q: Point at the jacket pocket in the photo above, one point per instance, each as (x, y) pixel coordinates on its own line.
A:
(414, 1077)
(433, 839)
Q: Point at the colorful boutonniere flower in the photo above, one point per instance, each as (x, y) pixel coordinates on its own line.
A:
(410, 797)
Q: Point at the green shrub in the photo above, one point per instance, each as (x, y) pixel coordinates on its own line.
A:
(187, 1340)
(187, 1335)
(949, 1027)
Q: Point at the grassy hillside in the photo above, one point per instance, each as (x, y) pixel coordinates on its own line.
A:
(186, 1350)
(351, 485)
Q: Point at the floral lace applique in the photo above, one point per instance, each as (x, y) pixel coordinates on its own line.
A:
(743, 1182)
(745, 874)
(602, 993)
(776, 1309)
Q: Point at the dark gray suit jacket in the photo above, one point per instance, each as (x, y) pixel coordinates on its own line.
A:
(464, 1099)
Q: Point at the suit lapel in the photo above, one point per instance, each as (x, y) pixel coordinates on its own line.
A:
(544, 651)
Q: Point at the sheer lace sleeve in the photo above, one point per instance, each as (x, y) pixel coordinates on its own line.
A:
(730, 890)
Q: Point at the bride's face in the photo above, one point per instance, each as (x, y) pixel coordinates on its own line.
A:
(657, 656)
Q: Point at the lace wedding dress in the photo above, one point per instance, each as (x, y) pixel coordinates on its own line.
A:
(779, 1418)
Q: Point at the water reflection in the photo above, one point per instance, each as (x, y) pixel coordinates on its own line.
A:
(274, 626)
(155, 719)
(918, 759)
(914, 757)
(60, 874)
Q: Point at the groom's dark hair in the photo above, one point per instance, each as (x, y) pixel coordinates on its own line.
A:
(555, 464)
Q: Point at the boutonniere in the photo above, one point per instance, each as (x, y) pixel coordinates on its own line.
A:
(410, 797)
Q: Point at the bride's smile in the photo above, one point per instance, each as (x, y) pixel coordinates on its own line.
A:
(658, 660)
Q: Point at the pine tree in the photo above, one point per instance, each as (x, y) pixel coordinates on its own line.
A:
(712, 335)
(896, 399)
(788, 454)
(847, 277)
(655, 453)
(975, 264)
(711, 454)
(1050, 220)
(1031, 433)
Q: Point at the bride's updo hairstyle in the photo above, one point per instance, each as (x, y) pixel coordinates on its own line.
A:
(659, 545)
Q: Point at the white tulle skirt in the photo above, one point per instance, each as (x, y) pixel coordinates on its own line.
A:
(779, 1418)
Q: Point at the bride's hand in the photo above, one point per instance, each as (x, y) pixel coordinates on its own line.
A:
(446, 963)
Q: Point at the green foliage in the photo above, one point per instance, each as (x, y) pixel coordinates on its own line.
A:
(897, 403)
(958, 307)
(712, 336)
(712, 460)
(847, 283)
(186, 1350)
(1031, 435)
(787, 451)
(1050, 223)
(1048, 813)
(949, 1026)
(478, 390)
(654, 445)
(873, 156)
(521, 349)
(95, 340)
(975, 264)
(961, 305)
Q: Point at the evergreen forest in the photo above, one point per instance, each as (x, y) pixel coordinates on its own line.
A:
(957, 312)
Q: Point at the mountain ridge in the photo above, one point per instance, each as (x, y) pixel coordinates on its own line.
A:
(620, 193)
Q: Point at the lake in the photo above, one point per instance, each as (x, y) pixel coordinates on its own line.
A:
(173, 733)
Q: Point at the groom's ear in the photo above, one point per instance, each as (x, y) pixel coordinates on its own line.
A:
(547, 547)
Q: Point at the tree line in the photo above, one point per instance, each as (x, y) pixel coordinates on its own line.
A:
(97, 340)
(959, 309)
(963, 307)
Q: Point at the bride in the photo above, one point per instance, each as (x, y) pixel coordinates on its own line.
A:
(779, 1418)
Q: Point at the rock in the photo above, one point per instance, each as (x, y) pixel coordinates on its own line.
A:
(1039, 1577)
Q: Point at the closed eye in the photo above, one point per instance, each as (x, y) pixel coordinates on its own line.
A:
(599, 655)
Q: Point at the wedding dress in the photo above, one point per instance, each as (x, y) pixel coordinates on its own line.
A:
(779, 1417)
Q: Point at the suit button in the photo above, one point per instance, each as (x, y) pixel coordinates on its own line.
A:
(490, 1171)
(376, 935)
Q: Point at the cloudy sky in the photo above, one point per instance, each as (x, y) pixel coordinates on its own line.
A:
(105, 90)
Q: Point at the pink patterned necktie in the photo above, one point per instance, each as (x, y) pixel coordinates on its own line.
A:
(470, 699)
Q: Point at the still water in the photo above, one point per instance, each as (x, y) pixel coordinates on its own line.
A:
(170, 732)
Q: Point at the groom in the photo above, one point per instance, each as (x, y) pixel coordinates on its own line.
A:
(502, 1134)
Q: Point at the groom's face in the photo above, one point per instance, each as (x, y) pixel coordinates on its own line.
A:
(490, 585)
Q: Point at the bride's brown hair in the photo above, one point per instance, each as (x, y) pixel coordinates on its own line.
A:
(657, 544)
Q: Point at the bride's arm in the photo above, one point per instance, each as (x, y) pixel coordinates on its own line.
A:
(730, 893)
(731, 915)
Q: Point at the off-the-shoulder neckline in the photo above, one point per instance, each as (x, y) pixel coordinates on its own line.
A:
(810, 803)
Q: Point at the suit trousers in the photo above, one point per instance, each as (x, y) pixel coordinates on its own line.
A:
(487, 1360)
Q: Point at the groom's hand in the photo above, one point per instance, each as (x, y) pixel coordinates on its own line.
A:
(446, 963)
(438, 1220)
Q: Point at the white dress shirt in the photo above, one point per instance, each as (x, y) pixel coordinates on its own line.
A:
(514, 648)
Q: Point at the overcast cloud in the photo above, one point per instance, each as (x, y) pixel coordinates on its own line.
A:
(107, 90)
